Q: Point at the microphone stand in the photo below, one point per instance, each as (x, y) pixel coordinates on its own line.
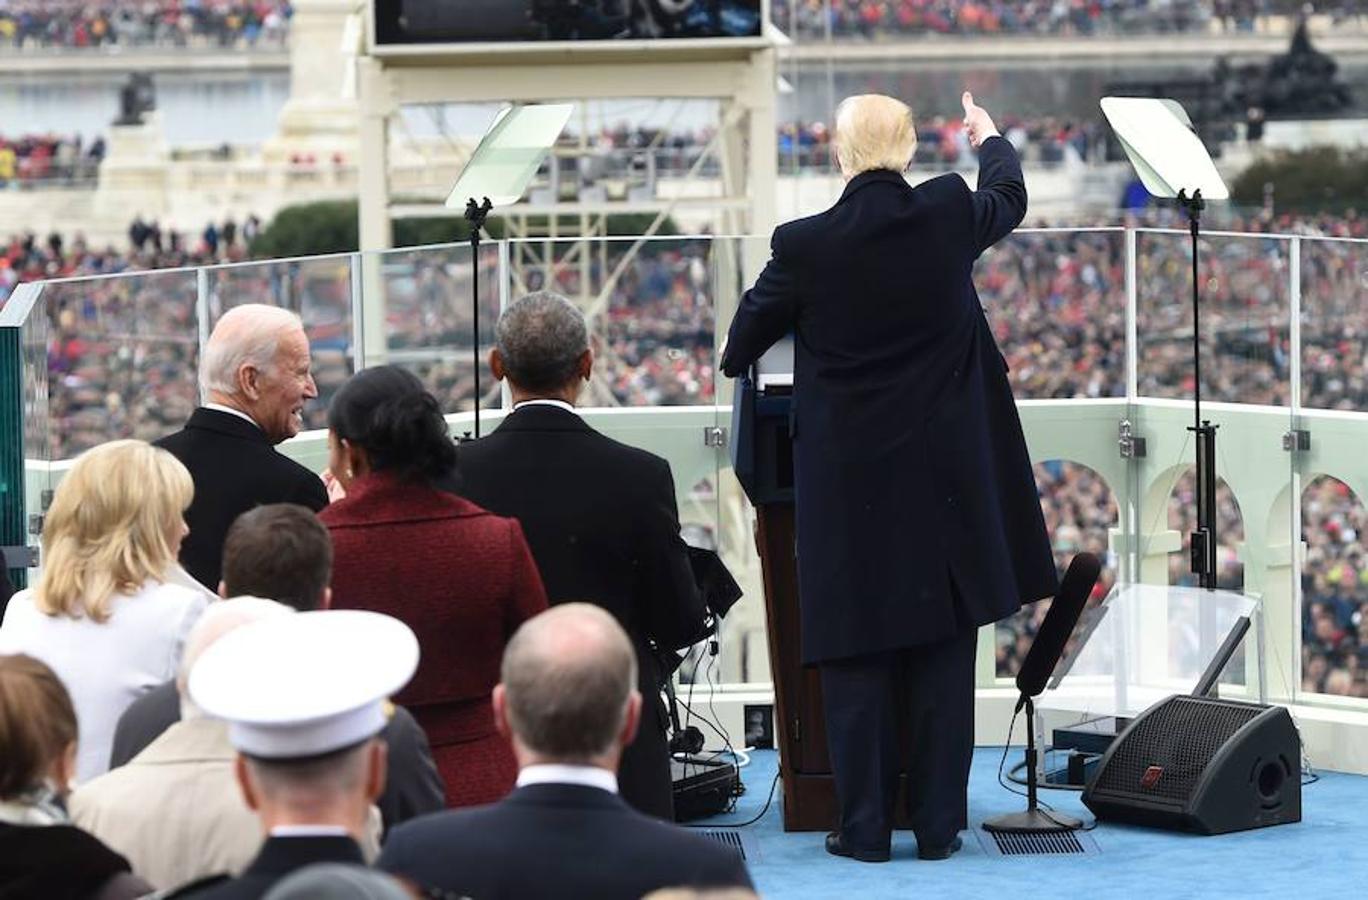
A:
(1203, 546)
(1034, 820)
(475, 214)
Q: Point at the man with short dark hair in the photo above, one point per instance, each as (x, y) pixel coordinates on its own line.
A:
(284, 553)
(600, 517)
(567, 701)
(280, 548)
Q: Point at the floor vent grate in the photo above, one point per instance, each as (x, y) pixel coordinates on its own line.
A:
(727, 839)
(1056, 843)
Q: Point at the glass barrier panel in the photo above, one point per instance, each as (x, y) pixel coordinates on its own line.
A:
(25, 466)
(1332, 617)
(1334, 587)
(319, 290)
(1080, 509)
(1334, 324)
(744, 645)
(1246, 370)
(1056, 300)
(1246, 317)
(649, 304)
(424, 319)
(677, 435)
(122, 357)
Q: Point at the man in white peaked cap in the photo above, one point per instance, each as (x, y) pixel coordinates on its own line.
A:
(304, 697)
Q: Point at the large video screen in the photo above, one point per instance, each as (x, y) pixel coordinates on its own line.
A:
(468, 21)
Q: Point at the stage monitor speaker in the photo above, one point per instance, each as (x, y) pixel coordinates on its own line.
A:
(1203, 765)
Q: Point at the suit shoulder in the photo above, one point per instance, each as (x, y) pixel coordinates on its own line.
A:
(948, 185)
(630, 455)
(440, 827)
(799, 232)
(172, 442)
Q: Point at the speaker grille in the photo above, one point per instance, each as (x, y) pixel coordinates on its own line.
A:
(1163, 758)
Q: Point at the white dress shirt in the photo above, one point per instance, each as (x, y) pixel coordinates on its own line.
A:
(554, 773)
(219, 407)
(559, 404)
(106, 665)
(293, 831)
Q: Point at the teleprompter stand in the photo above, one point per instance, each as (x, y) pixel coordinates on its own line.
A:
(475, 214)
(1204, 536)
(1172, 163)
(498, 172)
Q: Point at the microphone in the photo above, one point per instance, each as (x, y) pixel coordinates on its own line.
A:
(1059, 623)
(1035, 670)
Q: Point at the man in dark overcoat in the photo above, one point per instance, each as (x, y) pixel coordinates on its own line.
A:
(917, 513)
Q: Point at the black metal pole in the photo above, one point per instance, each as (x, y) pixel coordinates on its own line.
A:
(1194, 211)
(1032, 802)
(1203, 543)
(475, 214)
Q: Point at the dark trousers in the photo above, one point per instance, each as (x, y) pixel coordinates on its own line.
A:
(930, 689)
(644, 777)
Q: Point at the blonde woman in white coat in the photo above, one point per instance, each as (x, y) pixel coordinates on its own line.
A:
(112, 607)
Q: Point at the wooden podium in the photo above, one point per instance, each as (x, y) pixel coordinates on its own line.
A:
(763, 459)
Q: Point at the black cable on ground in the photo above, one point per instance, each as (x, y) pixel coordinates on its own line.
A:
(758, 816)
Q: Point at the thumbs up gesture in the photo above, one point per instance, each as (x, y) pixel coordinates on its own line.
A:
(976, 121)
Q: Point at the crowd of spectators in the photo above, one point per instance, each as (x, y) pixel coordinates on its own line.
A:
(942, 141)
(1335, 588)
(806, 146)
(79, 24)
(46, 159)
(814, 20)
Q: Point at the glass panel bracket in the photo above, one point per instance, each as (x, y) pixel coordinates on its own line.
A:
(1297, 440)
(1131, 445)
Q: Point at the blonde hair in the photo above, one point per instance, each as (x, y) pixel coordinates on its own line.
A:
(874, 132)
(111, 527)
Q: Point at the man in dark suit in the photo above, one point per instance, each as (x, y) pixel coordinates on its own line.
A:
(283, 553)
(599, 516)
(917, 513)
(255, 379)
(567, 701)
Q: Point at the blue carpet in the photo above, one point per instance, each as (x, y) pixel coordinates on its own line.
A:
(1324, 855)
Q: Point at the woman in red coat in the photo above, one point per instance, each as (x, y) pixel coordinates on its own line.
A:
(461, 577)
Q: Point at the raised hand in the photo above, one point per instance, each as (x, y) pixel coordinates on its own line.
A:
(976, 121)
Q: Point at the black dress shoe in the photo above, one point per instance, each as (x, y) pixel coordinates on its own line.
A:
(836, 847)
(940, 852)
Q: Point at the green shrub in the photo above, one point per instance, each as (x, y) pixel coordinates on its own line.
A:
(1315, 180)
(330, 226)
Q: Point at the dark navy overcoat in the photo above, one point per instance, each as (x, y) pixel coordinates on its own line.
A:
(910, 466)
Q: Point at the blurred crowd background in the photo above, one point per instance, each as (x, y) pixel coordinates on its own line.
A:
(32, 24)
(893, 19)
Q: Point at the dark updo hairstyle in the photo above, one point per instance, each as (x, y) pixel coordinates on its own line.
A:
(386, 412)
